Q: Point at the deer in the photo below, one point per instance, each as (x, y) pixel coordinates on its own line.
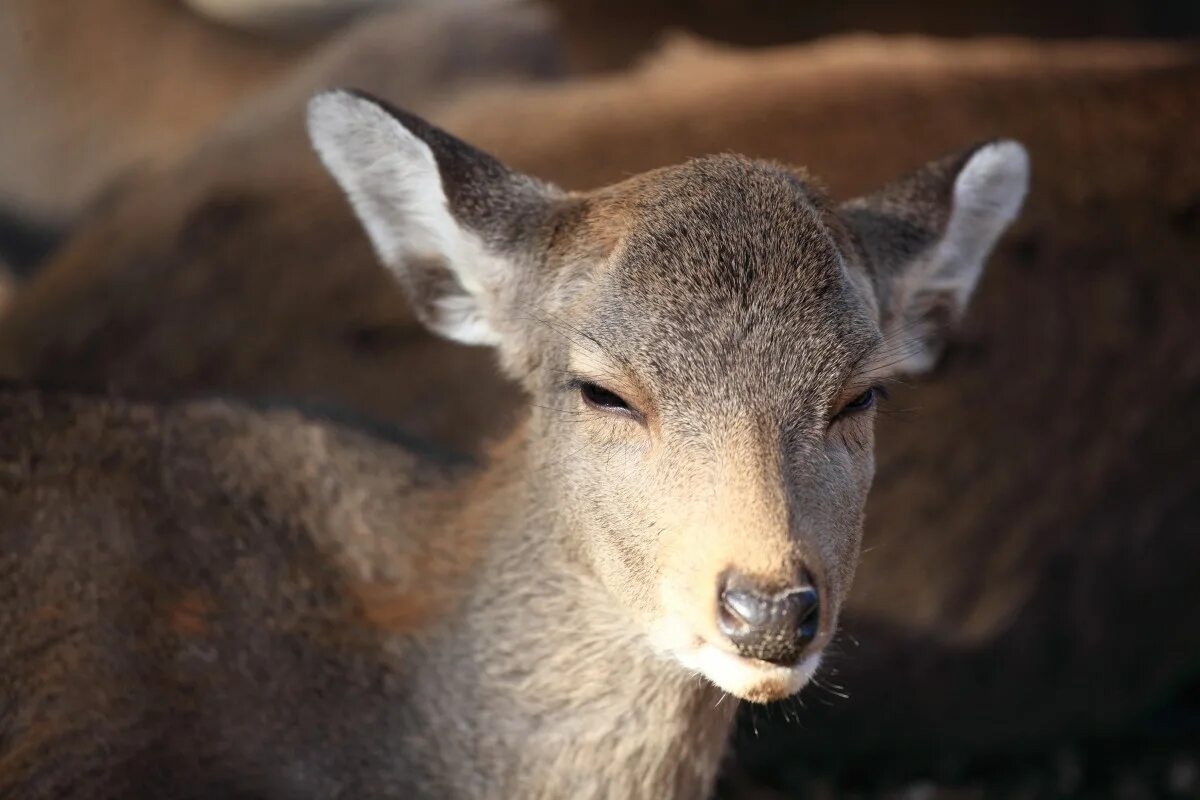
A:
(271, 604)
(1026, 387)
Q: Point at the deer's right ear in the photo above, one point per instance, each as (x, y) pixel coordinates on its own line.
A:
(926, 238)
(452, 223)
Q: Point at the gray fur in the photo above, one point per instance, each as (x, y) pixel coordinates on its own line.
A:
(204, 600)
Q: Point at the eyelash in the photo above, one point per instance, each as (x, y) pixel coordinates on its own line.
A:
(863, 402)
(605, 400)
(608, 401)
(596, 395)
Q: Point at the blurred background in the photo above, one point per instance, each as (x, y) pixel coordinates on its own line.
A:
(1024, 621)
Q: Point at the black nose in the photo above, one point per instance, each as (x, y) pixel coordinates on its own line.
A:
(771, 626)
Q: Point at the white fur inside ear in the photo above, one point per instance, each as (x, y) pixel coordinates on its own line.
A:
(988, 194)
(392, 180)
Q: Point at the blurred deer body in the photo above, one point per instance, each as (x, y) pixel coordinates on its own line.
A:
(100, 93)
(271, 606)
(286, 16)
(94, 90)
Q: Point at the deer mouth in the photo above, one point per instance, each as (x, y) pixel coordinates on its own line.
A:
(747, 678)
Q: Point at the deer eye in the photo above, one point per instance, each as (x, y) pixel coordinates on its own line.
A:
(864, 401)
(597, 396)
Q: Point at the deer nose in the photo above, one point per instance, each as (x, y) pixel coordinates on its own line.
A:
(770, 626)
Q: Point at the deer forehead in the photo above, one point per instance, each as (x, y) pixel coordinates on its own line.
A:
(719, 225)
(725, 281)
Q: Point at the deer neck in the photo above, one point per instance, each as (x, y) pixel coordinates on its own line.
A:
(554, 691)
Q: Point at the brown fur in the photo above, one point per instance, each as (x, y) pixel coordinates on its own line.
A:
(609, 34)
(7, 285)
(273, 606)
(97, 94)
(284, 17)
(93, 90)
(1112, 130)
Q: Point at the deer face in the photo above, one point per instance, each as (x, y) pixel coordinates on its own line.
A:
(704, 346)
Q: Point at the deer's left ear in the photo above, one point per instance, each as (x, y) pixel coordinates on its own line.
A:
(926, 238)
(462, 233)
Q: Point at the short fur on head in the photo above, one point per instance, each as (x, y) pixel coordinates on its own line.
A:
(733, 323)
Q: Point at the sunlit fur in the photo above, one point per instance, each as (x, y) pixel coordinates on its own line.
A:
(266, 604)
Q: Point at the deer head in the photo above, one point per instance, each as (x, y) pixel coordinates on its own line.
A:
(703, 347)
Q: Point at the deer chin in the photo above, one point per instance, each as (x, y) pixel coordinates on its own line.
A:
(746, 678)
